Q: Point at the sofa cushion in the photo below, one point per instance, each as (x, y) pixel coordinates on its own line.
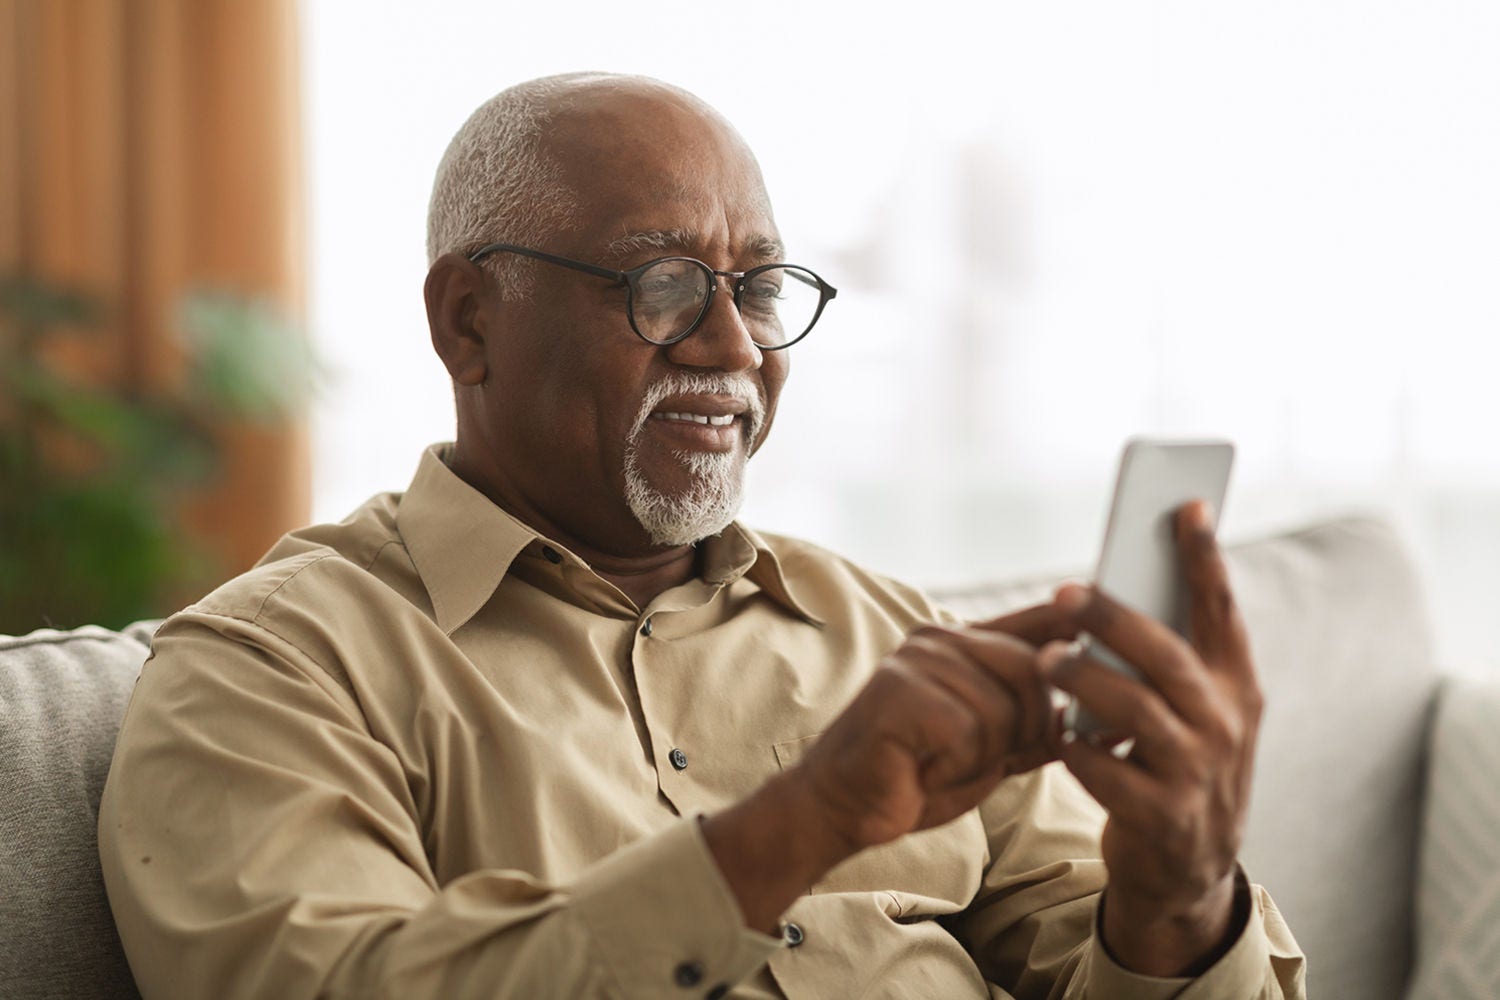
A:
(1340, 632)
(62, 696)
(1458, 878)
(1341, 639)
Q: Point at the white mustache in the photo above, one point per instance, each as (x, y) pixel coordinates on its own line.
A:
(741, 387)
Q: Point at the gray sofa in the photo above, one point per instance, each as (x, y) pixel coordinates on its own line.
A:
(1340, 636)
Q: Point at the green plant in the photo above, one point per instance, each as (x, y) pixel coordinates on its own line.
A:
(92, 478)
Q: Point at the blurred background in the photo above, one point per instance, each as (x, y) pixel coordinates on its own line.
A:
(1053, 226)
(154, 370)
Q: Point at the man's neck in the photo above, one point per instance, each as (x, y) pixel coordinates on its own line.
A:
(644, 580)
(641, 575)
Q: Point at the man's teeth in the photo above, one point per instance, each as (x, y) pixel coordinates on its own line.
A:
(698, 418)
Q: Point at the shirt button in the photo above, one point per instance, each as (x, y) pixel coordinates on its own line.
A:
(646, 627)
(688, 974)
(551, 555)
(792, 935)
(719, 992)
(678, 758)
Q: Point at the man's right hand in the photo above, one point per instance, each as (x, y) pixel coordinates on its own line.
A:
(946, 717)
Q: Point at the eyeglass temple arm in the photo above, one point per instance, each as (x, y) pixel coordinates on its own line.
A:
(550, 258)
(813, 281)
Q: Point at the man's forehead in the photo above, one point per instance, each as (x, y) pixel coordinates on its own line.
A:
(604, 126)
(654, 169)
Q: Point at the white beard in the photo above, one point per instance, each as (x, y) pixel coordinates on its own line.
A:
(712, 501)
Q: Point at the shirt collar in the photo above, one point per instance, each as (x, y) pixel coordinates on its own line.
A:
(463, 544)
(740, 551)
(460, 541)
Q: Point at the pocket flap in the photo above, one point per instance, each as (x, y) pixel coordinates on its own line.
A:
(789, 752)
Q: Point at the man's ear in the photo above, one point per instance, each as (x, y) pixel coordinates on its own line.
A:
(456, 292)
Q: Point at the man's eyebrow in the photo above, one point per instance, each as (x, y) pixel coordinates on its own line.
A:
(759, 247)
(766, 248)
(654, 239)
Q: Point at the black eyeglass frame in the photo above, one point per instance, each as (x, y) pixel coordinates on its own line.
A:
(629, 278)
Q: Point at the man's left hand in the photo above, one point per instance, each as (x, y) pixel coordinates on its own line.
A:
(1177, 801)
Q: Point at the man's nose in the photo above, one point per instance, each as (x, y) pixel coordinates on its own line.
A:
(721, 341)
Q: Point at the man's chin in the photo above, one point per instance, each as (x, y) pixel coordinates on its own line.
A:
(694, 497)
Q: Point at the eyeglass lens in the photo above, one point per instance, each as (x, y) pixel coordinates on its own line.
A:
(777, 306)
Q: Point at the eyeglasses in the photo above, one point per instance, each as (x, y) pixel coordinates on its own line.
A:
(667, 298)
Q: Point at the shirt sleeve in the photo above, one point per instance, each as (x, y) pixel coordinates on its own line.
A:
(257, 841)
(1033, 926)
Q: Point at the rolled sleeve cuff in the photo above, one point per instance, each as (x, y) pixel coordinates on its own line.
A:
(1241, 972)
(665, 922)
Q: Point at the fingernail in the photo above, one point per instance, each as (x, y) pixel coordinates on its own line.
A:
(1203, 515)
(1071, 597)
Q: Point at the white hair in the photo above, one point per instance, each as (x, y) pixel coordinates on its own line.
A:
(496, 182)
(718, 488)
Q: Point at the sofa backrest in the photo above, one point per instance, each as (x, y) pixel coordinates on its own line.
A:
(1341, 639)
(62, 696)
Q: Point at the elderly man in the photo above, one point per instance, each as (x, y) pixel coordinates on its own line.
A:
(552, 723)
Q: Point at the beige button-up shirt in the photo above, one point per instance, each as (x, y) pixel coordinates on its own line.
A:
(426, 752)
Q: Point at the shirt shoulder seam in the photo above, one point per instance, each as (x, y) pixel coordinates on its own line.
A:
(383, 546)
(260, 609)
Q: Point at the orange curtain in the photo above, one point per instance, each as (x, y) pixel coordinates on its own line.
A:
(149, 147)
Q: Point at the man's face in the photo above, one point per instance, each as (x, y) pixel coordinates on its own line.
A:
(619, 443)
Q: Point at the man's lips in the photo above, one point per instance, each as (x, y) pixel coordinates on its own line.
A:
(709, 422)
(697, 418)
(700, 405)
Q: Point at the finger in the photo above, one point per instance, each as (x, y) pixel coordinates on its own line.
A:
(998, 677)
(1130, 795)
(1030, 758)
(1123, 705)
(1162, 656)
(937, 727)
(1215, 627)
(934, 657)
(1038, 624)
(1012, 664)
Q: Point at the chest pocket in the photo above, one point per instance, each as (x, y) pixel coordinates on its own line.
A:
(943, 864)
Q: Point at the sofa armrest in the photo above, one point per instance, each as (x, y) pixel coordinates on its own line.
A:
(1458, 870)
(62, 695)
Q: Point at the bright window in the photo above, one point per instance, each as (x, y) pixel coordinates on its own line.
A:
(1052, 226)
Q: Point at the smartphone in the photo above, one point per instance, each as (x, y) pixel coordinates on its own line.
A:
(1138, 563)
